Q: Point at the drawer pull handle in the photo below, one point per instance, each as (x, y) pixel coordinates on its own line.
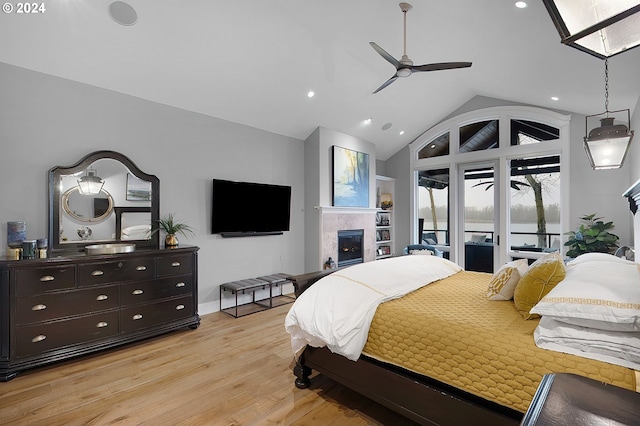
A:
(179, 307)
(47, 278)
(136, 292)
(102, 297)
(97, 273)
(102, 324)
(180, 285)
(38, 338)
(174, 264)
(39, 307)
(137, 317)
(141, 268)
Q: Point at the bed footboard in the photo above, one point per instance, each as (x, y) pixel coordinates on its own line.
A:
(416, 397)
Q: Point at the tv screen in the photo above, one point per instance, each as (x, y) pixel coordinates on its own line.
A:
(246, 208)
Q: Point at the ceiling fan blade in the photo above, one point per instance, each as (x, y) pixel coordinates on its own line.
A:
(393, 61)
(440, 66)
(386, 83)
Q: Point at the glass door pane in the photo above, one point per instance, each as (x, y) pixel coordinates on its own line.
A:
(433, 208)
(535, 204)
(479, 217)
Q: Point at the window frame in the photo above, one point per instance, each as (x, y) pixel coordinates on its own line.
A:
(502, 156)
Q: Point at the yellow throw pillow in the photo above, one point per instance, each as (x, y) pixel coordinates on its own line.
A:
(503, 283)
(540, 278)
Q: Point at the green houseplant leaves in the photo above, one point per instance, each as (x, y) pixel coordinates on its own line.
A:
(592, 236)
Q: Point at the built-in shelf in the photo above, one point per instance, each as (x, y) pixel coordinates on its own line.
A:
(385, 233)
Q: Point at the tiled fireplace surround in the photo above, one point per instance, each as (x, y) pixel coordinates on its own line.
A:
(334, 219)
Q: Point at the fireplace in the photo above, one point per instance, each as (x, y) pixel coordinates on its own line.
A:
(350, 245)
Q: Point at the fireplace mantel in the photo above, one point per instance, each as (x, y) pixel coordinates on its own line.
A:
(346, 210)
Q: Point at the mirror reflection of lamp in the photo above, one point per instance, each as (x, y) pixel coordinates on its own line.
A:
(91, 183)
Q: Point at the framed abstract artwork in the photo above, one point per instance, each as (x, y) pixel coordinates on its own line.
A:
(350, 178)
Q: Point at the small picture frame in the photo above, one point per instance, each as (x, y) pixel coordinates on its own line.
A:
(382, 219)
(138, 189)
(385, 235)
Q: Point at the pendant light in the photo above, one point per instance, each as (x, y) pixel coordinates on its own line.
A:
(608, 144)
(600, 28)
(91, 183)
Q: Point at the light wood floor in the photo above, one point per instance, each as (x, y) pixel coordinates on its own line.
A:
(227, 372)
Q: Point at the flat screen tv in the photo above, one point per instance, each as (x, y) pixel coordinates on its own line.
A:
(242, 209)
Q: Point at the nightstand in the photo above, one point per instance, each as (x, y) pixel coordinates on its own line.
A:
(568, 399)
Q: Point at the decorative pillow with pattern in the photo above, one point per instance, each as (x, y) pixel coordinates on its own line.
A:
(504, 281)
(541, 277)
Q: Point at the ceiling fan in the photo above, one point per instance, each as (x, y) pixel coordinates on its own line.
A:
(405, 67)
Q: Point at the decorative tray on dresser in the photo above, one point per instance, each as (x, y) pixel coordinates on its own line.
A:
(57, 308)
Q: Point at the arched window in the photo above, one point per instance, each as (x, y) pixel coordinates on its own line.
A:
(489, 187)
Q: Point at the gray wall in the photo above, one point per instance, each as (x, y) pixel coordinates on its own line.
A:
(47, 121)
(398, 167)
(591, 191)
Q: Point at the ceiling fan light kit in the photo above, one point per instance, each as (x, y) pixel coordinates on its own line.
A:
(404, 67)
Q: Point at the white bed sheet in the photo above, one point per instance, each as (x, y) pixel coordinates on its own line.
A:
(338, 309)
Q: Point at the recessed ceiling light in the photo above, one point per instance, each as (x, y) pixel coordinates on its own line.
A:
(367, 121)
(555, 98)
(521, 4)
(433, 146)
(311, 94)
(387, 126)
(402, 132)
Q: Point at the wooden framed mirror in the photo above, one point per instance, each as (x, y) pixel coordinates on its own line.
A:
(121, 188)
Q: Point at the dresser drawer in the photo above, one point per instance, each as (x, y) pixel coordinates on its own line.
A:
(48, 306)
(147, 291)
(174, 265)
(115, 271)
(38, 338)
(29, 281)
(143, 316)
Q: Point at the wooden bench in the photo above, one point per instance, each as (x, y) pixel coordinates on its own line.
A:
(250, 286)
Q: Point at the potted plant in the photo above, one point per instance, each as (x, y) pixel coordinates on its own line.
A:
(592, 236)
(171, 226)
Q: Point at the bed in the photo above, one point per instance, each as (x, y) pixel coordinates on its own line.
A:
(474, 358)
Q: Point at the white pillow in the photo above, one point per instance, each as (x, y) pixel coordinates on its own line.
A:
(478, 238)
(423, 252)
(504, 281)
(597, 257)
(614, 347)
(601, 295)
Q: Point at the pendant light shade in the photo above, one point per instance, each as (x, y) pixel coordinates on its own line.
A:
(601, 28)
(90, 184)
(607, 145)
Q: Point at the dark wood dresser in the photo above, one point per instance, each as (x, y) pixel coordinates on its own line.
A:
(57, 308)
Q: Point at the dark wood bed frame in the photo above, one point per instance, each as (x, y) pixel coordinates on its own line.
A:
(419, 398)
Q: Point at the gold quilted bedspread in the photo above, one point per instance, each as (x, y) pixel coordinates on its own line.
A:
(449, 331)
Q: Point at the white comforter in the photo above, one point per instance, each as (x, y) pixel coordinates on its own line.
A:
(337, 310)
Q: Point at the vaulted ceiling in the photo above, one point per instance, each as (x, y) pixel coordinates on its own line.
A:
(253, 62)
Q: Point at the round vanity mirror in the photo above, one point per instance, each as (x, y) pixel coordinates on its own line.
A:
(85, 207)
